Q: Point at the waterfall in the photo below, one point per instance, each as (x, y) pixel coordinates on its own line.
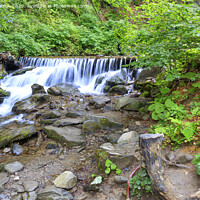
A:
(82, 72)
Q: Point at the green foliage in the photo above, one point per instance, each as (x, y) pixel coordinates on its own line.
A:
(111, 166)
(141, 181)
(196, 161)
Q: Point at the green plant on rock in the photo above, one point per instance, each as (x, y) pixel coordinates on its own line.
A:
(141, 181)
(196, 161)
(110, 166)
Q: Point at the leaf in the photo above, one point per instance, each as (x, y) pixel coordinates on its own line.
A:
(170, 104)
(188, 131)
(196, 85)
(97, 180)
(107, 171)
(154, 115)
(93, 175)
(196, 159)
(118, 171)
(164, 90)
(195, 111)
(151, 107)
(108, 163)
(113, 166)
(198, 168)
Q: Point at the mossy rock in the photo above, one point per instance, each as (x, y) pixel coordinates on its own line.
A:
(118, 89)
(106, 89)
(115, 80)
(134, 106)
(22, 71)
(8, 135)
(4, 93)
(145, 94)
(101, 157)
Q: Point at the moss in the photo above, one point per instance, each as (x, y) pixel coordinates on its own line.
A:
(101, 157)
(91, 126)
(145, 94)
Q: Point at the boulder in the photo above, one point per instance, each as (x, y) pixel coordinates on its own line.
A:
(99, 101)
(117, 79)
(129, 137)
(66, 180)
(118, 89)
(94, 123)
(63, 89)
(23, 71)
(37, 89)
(11, 133)
(70, 135)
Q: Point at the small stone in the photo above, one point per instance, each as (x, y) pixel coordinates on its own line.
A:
(4, 178)
(13, 194)
(52, 145)
(170, 156)
(62, 157)
(120, 179)
(93, 188)
(6, 150)
(18, 188)
(66, 180)
(183, 159)
(18, 197)
(126, 130)
(17, 149)
(16, 178)
(195, 196)
(29, 186)
(1, 189)
(138, 123)
(80, 196)
(14, 167)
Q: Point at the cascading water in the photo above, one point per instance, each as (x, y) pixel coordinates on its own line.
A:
(82, 72)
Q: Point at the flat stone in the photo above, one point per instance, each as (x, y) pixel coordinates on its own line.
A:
(51, 115)
(129, 137)
(70, 135)
(17, 149)
(184, 159)
(30, 186)
(51, 189)
(66, 180)
(16, 166)
(6, 150)
(68, 122)
(81, 196)
(18, 188)
(4, 178)
(100, 101)
(121, 179)
(11, 133)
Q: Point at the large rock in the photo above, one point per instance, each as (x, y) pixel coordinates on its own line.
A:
(129, 137)
(99, 101)
(14, 167)
(68, 122)
(128, 103)
(94, 123)
(117, 79)
(23, 71)
(63, 89)
(51, 115)
(11, 133)
(29, 105)
(3, 94)
(70, 135)
(66, 180)
(118, 89)
(37, 89)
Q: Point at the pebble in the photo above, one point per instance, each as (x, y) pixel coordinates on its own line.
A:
(170, 156)
(14, 167)
(138, 123)
(120, 179)
(80, 196)
(126, 130)
(17, 149)
(16, 178)
(29, 185)
(6, 150)
(52, 146)
(18, 188)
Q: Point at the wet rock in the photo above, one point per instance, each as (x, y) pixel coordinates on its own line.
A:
(121, 179)
(23, 71)
(122, 101)
(63, 89)
(3, 94)
(18, 188)
(11, 133)
(89, 188)
(16, 166)
(183, 159)
(117, 79)
(66, 180)
(4, 178)
(121, 155)
(106, 89)
(94, 123)
(37, 89)
(70, 135)
(170, 156)
(51, 115)
(17, 149)
(30, 186)
(118, 89)
(68, 122)
(129, 137)
(52, 145)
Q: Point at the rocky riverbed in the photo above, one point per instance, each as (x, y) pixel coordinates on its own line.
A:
(54, 152)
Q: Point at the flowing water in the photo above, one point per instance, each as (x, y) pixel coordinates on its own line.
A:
(82, 72)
